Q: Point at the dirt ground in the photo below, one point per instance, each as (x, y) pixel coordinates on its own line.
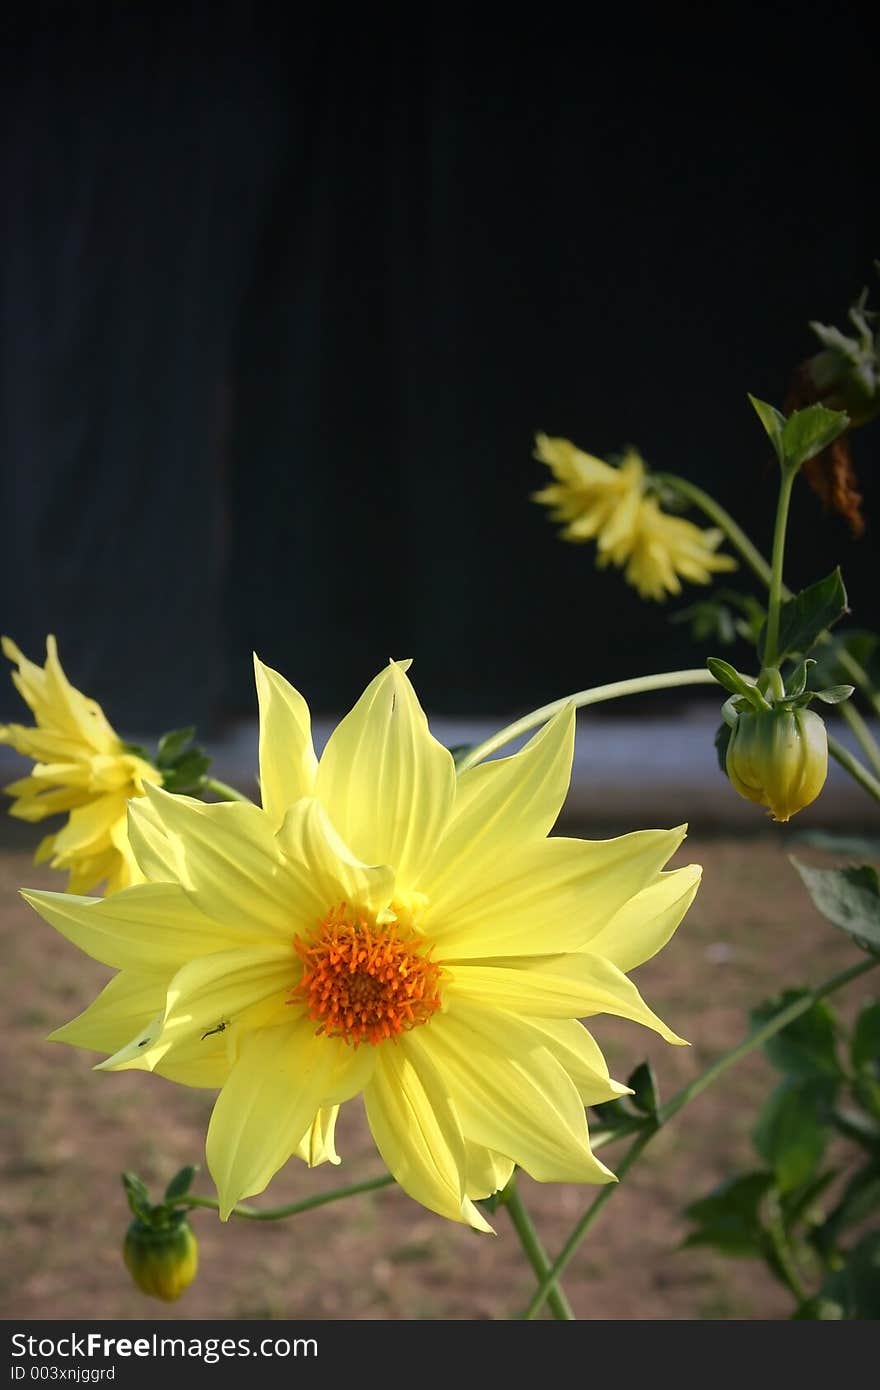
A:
(69, 1131)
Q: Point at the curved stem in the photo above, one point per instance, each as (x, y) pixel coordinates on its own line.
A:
(534, 1250)
(771, 641)
(715, 512)
(668, 680)
(855, 769)
(687, 1093)
(223, 791)
(307, 1204)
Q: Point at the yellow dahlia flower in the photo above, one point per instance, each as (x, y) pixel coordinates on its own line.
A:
(606, 503)
(81, 767)
(662, 547)
(381, 927)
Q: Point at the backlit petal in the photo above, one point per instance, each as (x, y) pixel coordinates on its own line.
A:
(282, 1078)
(644, 924)
(324, 869)
(119, 1013)
(386, 781)
(417, 1132)
(151, 927)
(287, 756)
(500, 806)
(511, 1094)
(554, 895)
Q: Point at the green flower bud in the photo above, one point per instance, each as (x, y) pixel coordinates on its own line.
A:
(779, 758)
(162, 1259)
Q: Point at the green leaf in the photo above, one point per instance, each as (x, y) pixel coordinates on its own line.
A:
(138, 1195)
(819, 1309)
(613, 1114)
(137, 750)
(729, 1219)
(865, 1043)
(792, 1130)
(866, 1089)
(848, 897)
(187, 772)
(796, 683)
(181, 1183)
(806, 1048)
(856, 1287)
(643, 1084)
(809, 613)
(800, 1204)
(834, 694)
(807, 432)
(172, 745)
(859, 846)
(730, 679)
(774, 423)
(858, 1202)
(860, 644)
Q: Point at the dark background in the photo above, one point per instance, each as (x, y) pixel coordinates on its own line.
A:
(284, 301)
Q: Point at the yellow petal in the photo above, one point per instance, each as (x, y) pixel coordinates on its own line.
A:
(88, 828)
(487, 1172)
(158, 855)
(49, 803)
(510, 1093)
(552, 896)
(121, 1011)
(417, 1133)
(579, 1053)
(500, 806)
(325, 871)
(609, 990)
(386, 782)
(204, 1065)
(287, 757)
(645, 924)
(152, 927)
(71, 710)
(318, 1143)
(214, 992)
(229, 861)
(282, 1078)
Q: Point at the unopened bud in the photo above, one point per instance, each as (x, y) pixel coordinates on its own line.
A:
(779, 758)
(162, 1259)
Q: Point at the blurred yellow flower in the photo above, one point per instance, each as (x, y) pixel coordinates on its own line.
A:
(81, 767)
(382, 926)
(608, 503)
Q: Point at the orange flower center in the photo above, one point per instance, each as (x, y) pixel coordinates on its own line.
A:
(365, 983)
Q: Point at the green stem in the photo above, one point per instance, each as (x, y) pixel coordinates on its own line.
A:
(781, 1261)
(755, 1039)
(858, 675)
(771, 641)
(863, 735)
(223, 790)
(759, 566)
(534, 1250)
(668, 680)
(855, 769)
(320, 1199)
(715, 512)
